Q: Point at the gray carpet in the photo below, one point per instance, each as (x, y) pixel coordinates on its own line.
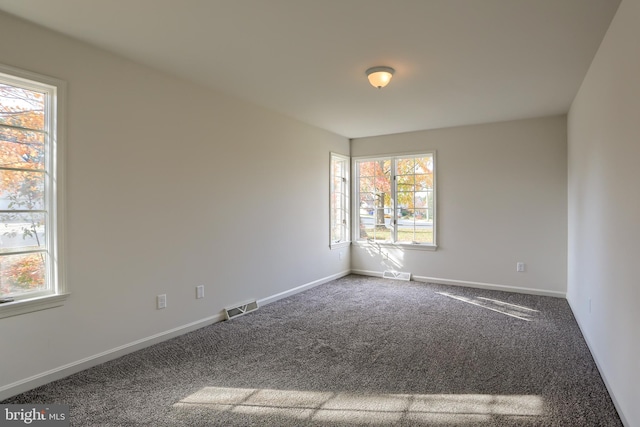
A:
(357, 351)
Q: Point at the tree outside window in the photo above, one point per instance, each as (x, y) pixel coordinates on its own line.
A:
(26, 187)
(396, 197)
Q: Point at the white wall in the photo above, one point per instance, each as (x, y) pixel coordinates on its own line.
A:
(501, 199)
(169, 185)
(604, 209)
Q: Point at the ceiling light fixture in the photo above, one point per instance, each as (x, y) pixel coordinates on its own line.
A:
(380, 76)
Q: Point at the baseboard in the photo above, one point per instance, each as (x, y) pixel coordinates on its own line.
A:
(88, 362)
(491, 286)
(468, 284)
(368, 273)
(296, 290)
(21, 386)
(599, 366)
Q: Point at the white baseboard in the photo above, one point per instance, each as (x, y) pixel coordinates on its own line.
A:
(296, 290)
(367, 273)
(468, 284)
(21, 386)
(595, 358)
(26, 384)
(80, 365)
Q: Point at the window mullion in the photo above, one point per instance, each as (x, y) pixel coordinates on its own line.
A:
(394, 200)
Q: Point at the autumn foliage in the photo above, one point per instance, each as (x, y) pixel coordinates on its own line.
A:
(22, 177)
(413, 199)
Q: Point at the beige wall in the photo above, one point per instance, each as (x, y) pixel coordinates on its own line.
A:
(501, 199)
(604, 209)
(169, 186)
(161, 172)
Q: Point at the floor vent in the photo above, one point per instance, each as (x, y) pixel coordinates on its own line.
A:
(239, 310)
(397, 275)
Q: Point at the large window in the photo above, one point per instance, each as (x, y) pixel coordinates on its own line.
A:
(339, 200)
(395, 199)
(30, 192)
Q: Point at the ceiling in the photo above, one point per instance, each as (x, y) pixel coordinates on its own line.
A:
(457, 62)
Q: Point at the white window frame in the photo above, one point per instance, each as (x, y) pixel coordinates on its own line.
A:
(57, 290)
(355, 208)
(344, 201)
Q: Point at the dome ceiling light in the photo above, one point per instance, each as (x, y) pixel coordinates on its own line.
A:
(379, 77)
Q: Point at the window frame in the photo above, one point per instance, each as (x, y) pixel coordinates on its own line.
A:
(57, 289)
(345, 204)
(355, 207)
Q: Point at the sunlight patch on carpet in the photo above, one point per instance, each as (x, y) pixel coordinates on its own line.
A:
(512, 310)
(366, 407)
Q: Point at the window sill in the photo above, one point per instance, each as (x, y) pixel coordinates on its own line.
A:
(401, 246)
(32, 304)
(339, 245)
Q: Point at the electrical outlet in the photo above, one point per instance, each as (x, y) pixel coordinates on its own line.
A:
(162, 301)
(340, 255)
(520, 267)
(199, 291)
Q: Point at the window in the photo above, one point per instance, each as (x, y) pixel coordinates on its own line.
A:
(339, 200)
(30, 192)
(396, 200)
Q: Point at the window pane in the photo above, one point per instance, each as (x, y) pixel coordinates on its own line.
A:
(375, 213)
(375, 216)
(367, 202)
(383, 167)
(338, 167)
(335, 185)
(367, 185)
(414, 227)
(405, 166)
(382, 234)
(424, 164)
(337, 195)
(367, 169)
(423, 227)
(20, 231)
(424, 182)
(339, 199)
(383, 176)
(421, 200)
(370, 231)
(406, 182)
(337, 233)
(367, 230)
(383, 184)
(28, 140)
(414, 194)
(380, 170)
(21, 107)
(21, 190)
(21, 149)
(338, 224)
(20, 274)
(405, 200)
(408, 200)
(367, 212)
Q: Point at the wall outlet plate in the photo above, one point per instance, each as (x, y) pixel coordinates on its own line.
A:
(161, 301)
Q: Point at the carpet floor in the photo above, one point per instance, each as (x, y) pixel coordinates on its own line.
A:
(356, 351)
